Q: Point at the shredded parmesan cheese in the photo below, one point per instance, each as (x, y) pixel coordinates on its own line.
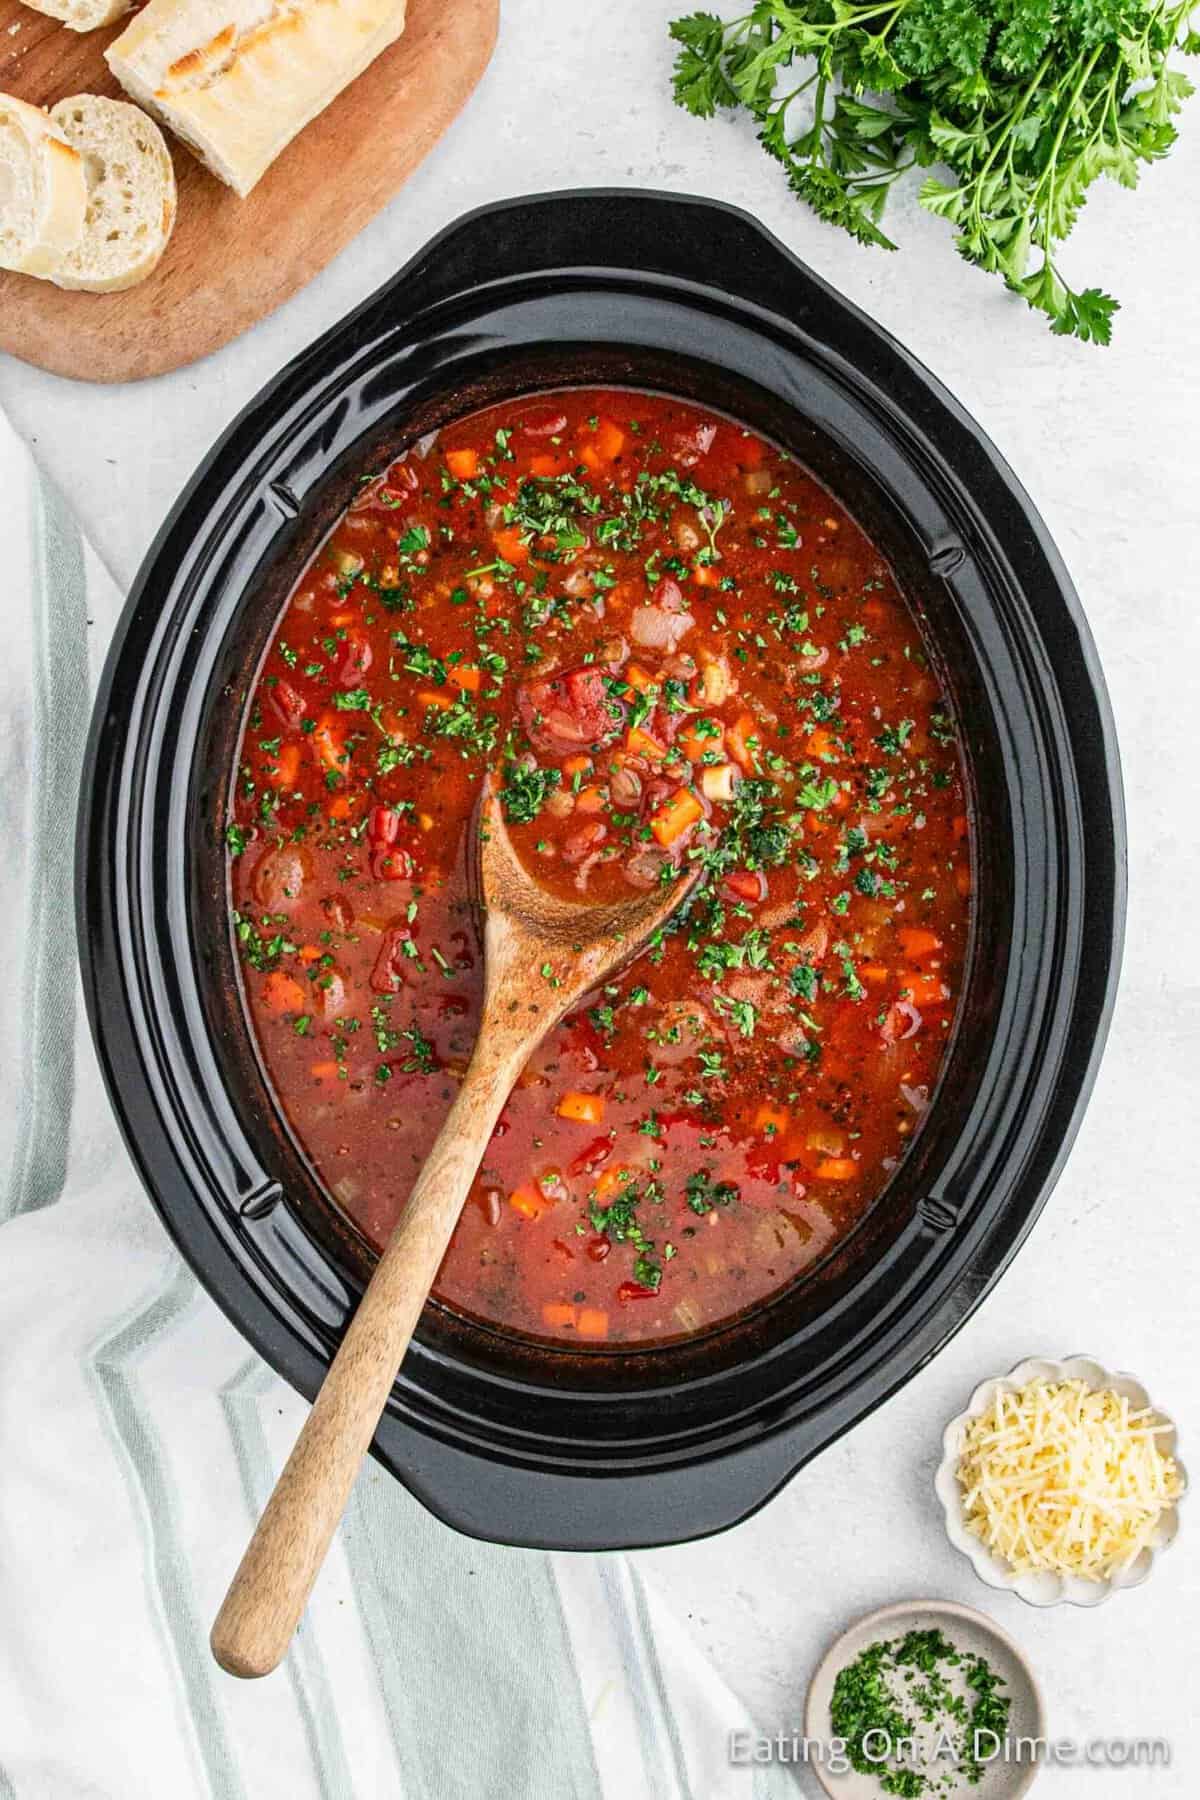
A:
(1058, 1476)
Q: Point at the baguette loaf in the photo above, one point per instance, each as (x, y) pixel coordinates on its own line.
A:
(131, 194)
(237, 79)
(43, 194)
(82, 15)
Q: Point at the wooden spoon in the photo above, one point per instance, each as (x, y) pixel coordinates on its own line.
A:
(541, 956)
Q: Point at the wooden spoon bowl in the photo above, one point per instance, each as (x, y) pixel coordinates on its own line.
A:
(542, 955)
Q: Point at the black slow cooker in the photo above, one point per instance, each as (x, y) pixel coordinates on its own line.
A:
(508, 1440)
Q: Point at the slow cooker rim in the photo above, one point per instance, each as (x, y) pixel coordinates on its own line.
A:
(277, 1343)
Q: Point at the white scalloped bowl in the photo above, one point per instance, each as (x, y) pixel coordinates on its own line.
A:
(1044, 1588)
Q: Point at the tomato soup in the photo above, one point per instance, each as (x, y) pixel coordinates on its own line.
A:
(667, 643)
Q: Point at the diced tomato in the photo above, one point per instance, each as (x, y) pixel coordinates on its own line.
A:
(393, 864)
(465, 677)
(749, 885)
(397, 956)
(570, 710)
(287, 704)
(383, 825)
(541, 421)
(355, 660)
(633, 1290)
(592, 1157)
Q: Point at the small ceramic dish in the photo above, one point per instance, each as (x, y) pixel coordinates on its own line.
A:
(1005, 1776)
(1045, 1588)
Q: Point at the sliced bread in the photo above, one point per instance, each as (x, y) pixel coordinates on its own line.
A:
(82, 15)
(43, 194)
(237, 79)
(130, 194)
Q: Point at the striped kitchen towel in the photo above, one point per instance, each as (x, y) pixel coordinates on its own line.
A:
(139, 1435)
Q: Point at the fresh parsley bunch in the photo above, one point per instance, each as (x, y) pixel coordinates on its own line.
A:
(1027, 102)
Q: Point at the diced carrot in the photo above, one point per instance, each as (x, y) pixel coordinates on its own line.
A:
(642, 744)
(639, 679)
(592, 1322)
(591, 800)
(608, 441)
(463, 464)
(916, 942)
(510, 545)
(677, 816)
(463, 676)
(585, 1109)
(877, 973)
(591, 458)
(609, 1180)
(287, 767)
(343, 806)
(548, 466)
(558, 1316)
(959, 826)
(577, 765)
(706, 575)
(325, 1071)
(772, 1119)
(836, 1168)
(820, 743)
(529, 1201)
(696, 744)
(923, 990)
(341, 618)
(738, 739)
(311, 953)
(431, 697)
(283, 994)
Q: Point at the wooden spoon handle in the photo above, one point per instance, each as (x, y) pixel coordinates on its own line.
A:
(274, 1578)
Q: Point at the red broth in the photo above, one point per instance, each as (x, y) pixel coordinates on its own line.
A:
(672, 644)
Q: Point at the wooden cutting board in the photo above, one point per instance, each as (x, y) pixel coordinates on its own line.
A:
(231, 261)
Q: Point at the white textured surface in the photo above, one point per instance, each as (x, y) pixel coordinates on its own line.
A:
(1108, 443)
